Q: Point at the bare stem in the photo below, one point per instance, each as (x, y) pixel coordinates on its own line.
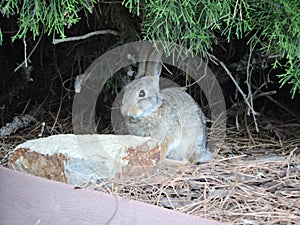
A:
(25, 54)
(233, 80)
(57, 41)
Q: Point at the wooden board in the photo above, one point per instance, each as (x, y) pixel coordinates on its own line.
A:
(26, 199)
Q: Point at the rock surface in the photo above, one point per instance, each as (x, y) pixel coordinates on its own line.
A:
(78, 159)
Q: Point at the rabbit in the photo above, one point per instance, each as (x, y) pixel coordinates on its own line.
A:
(169, 115)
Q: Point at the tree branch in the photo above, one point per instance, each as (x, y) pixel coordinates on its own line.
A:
(215, 59)
(57, 41)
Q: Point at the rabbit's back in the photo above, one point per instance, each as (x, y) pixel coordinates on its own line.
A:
(185, 106)
(192, 126)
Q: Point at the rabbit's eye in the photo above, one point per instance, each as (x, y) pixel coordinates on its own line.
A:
(142, 94)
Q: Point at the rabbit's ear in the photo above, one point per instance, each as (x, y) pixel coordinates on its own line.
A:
(144, 54)
(152, 66)
(157, 65)
(141, 69)
(153, 69)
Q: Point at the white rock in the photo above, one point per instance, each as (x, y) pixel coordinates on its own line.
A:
(78, 159)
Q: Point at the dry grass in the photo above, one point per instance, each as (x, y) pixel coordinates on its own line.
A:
(233, 190)
(256, 186)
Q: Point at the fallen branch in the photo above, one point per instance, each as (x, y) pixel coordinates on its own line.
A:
(18, 123)
(264, 94)
(259, 93)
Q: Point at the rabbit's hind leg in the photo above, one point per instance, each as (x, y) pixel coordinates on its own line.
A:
(173, 163)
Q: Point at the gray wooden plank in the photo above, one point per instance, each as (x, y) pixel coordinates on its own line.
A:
(26, 199)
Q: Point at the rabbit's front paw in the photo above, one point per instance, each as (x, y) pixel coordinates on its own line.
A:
(204, 157)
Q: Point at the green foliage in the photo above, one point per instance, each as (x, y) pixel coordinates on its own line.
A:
(273, 26)
(1, 36)
(279, 23)
(51, 17)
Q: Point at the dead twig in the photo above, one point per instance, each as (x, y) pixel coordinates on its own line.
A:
(25, 53)
(77, 38)
(215, 59)
(248, 82)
